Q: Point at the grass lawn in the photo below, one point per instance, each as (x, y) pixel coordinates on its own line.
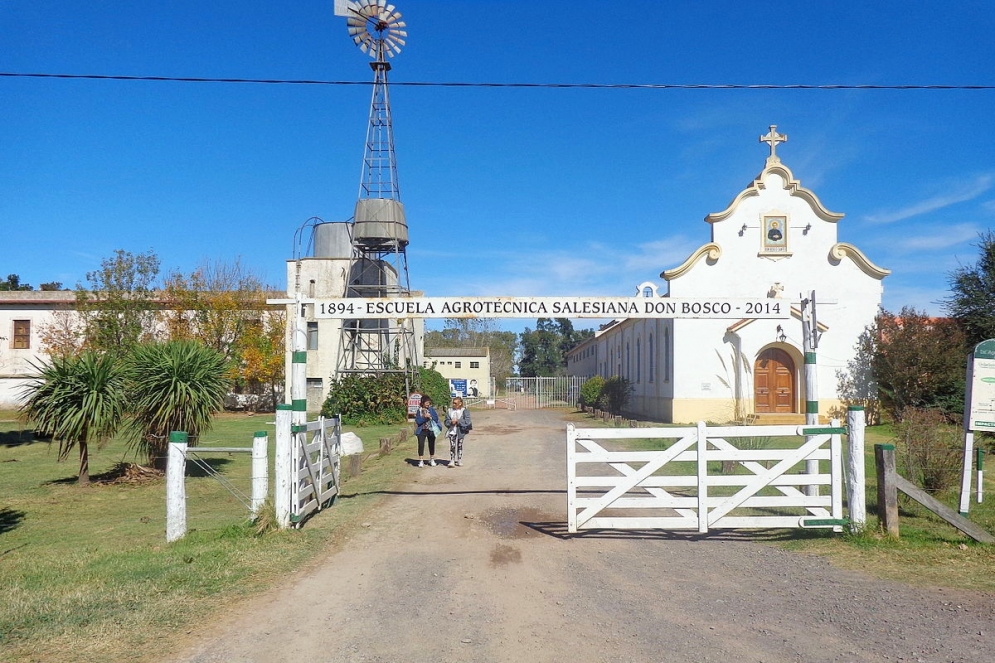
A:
(86, 573)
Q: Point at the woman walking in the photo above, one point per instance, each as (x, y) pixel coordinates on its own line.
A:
(459, 424)
(426, 426)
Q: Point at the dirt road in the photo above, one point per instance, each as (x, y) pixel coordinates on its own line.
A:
(474, 564)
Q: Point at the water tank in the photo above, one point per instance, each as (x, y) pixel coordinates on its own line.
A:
(332, 240)
(380, 222)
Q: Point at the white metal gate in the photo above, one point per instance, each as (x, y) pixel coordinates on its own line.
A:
(543, 392)
(315, 465)
(679, 487)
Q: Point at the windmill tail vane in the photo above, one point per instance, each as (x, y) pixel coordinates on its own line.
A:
(374, 25)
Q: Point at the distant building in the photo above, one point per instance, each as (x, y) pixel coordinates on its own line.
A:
(774, 243)
(23, 315)
(467, 369)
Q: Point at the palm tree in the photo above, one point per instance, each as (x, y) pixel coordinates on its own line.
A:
(174, 386)
(78, 400)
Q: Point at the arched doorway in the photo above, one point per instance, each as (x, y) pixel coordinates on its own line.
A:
(774, 382)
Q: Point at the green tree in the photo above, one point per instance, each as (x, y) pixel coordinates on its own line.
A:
(478, 333)
(855, 383)
(78, 400)
(972, 302)
(173, 386)
(216, 304)
(118, 310)
(919, 362)
(544, 351)
(261, 353)
(13, 282)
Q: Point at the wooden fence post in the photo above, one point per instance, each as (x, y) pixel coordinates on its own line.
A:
(260, 470)
(176, 495)
(282, 466)
(856, 478)
(884, 460)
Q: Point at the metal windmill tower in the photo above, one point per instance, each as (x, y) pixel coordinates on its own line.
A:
(379, 266)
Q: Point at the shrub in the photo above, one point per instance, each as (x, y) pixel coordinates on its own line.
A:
(367, 400)
(930, 451)
(432, 384)
(615, 394)
(371, 400)
(590, 391)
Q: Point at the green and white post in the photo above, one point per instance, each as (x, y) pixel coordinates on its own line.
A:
(809, 343)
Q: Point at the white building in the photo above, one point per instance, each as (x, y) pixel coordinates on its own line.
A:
(23, 317)
(775, 243)
(467, 369)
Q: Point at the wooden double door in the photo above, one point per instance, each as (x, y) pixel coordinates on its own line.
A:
(774, 382)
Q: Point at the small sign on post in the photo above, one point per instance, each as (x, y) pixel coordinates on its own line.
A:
(414, 402)
(979, 409)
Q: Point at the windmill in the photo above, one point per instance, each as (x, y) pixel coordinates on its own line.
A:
(379, 266)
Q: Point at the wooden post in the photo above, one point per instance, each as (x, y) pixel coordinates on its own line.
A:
(260, 470)
(282, 465)
(176, 496)
(856, 479)
(884, 460)
(355, 465)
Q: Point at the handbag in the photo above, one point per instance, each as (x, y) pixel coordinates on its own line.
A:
(434, 427)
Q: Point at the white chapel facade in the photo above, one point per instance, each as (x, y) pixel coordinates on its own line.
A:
(774, 241)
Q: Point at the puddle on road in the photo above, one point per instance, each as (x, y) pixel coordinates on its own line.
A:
(503, 555)
(508, 522)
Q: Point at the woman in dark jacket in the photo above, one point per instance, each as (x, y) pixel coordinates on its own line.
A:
(424, 418)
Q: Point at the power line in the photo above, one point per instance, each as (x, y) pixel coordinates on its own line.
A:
(594, 86)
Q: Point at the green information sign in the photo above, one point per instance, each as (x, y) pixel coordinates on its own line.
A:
(981, 387)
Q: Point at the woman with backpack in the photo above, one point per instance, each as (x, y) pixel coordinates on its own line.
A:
(459, 424)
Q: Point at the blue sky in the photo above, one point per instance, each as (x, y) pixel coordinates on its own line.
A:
(557, 191)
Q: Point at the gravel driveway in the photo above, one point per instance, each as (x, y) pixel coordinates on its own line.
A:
(474, 564)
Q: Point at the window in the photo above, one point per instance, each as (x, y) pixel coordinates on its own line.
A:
(474, 364)
(639, 361)
(666, 355)
(312, 336)
(459, 364)
(650, 351)
(22, 334)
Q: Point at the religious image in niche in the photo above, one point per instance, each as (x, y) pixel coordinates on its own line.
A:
(774, 229)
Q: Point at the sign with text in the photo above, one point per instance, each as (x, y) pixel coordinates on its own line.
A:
(550, 307)
(981, 387)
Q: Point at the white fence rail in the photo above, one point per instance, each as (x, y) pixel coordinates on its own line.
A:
(678, 487)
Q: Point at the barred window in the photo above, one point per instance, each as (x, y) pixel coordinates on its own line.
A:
(22, 334)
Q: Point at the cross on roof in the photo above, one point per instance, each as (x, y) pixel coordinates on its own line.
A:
(773, 138)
